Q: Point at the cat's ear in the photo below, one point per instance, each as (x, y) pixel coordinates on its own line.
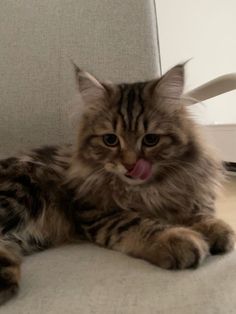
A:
(85, 80)
(170, 86)
(88, 85)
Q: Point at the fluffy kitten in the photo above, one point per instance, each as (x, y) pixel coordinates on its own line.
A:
(139, 181)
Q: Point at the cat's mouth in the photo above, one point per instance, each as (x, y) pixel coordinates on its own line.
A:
(132, 181)
(128, 176)
(139, 174)
(142, 170)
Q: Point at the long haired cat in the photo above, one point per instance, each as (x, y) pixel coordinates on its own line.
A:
(139, 180)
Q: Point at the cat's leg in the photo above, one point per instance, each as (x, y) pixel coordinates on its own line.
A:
(169, 247)
(10, 261)
(31, 215)
(219, 234)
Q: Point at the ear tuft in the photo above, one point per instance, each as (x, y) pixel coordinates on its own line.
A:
(76, 69)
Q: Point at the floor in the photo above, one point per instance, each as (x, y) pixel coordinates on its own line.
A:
(226, 205)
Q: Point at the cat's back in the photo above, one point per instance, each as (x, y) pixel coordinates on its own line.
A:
(40, 170)
(57, 157)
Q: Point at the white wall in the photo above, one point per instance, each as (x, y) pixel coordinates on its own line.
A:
(204, 30)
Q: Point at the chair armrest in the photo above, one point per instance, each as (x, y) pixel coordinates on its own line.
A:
(219, 85)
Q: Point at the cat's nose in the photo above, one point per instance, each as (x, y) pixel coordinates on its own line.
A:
(129, 166)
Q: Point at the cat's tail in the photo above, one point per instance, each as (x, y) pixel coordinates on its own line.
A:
(10, 262)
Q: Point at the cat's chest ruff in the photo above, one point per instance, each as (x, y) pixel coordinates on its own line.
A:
(139, 198)
(154, 201)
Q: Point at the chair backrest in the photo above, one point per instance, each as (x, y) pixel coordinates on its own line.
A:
(115, 40)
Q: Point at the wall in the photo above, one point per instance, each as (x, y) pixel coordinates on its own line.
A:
(205, 31)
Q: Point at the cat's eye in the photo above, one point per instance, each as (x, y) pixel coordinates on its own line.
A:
(110, 140)
(151, 139)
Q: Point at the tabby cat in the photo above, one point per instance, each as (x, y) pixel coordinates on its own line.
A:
(139, 180)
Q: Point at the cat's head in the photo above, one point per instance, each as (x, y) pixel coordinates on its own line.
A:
(133, 130)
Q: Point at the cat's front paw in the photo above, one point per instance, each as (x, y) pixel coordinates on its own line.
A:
(179, 248)
(219, 234)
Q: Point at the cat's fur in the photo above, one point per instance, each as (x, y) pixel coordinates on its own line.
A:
(54, 195)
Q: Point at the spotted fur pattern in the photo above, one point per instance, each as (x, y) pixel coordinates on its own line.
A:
(60, 194)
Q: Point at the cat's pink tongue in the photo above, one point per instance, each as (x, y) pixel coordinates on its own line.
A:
(142, 170)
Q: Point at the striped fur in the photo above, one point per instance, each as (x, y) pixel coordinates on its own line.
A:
(60, 194)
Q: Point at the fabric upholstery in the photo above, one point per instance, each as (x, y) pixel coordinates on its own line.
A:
(87, 279)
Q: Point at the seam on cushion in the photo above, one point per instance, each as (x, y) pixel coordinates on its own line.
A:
(157, 36)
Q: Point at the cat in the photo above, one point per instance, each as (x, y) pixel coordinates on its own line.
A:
(139, 180)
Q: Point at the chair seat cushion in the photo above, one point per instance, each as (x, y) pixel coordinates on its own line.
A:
(86, 279)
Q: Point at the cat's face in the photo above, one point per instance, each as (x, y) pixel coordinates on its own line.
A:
(133, 130)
